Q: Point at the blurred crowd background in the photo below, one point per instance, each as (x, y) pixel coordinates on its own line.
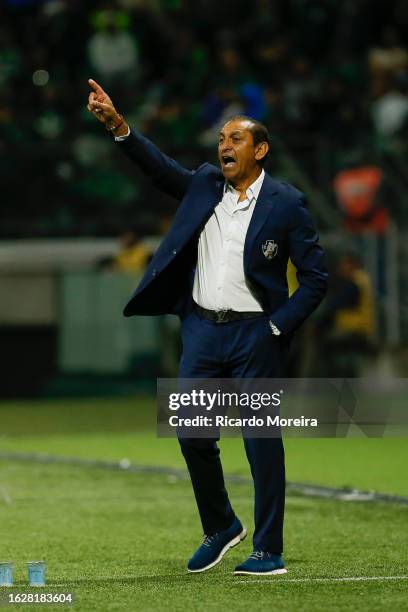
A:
(329, 79)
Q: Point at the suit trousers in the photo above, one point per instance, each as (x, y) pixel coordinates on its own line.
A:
(238, 349)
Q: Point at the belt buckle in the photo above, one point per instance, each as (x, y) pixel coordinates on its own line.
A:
(222, 316)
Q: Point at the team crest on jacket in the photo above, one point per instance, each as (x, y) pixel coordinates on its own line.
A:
(269, 249)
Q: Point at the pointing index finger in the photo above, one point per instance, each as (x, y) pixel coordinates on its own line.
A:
(96, 87)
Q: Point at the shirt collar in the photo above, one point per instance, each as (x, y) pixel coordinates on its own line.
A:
(252, 191)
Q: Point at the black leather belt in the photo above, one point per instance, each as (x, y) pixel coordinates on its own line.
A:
(225, 316)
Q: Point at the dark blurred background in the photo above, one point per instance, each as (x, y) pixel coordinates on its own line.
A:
(78, 222)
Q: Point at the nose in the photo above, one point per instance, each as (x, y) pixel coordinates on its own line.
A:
(225, 149)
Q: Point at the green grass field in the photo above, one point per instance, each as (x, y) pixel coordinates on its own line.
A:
(120, 540)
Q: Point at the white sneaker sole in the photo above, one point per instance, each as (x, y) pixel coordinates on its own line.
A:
(226, 548)
(272, 573)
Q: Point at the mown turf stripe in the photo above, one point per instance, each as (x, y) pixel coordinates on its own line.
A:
(300, 488)
(272, 580)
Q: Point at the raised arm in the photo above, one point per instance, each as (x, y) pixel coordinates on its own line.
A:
(165, 172)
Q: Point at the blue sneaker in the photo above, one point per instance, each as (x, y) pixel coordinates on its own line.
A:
(261, 563)
(215, 546)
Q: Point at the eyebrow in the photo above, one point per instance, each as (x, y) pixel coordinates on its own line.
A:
(234, 133)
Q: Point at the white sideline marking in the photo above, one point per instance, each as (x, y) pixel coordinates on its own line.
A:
(345, 579)
(6, 497)
(272, 580)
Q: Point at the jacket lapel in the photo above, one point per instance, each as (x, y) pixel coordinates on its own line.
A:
(263, 207)
(196, 209)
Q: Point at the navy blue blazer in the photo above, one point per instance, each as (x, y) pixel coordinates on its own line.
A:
(280, 221)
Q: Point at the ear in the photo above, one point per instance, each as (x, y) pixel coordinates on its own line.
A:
(261, 150)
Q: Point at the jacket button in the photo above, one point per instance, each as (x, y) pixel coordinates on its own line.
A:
(154, 272)
(174, 251)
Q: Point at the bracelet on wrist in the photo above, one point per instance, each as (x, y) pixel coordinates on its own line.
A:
(117, 123)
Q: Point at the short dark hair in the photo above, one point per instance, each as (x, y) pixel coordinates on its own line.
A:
(259, 133)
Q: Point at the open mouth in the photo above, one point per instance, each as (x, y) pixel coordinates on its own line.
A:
(228, 161)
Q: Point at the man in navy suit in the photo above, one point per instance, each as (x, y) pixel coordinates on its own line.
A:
(222, 269)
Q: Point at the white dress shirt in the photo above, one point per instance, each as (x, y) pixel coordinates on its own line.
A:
(219, 282)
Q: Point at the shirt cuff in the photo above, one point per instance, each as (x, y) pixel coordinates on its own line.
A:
(275, 330)
(123, 137)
